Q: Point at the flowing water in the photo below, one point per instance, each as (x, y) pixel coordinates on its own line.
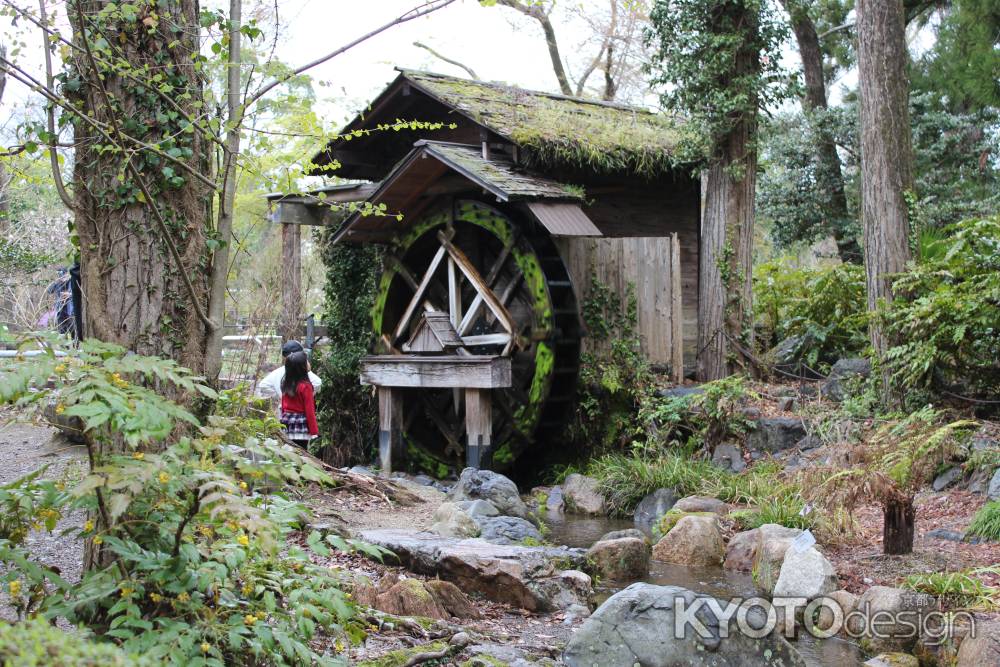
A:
(579, 531)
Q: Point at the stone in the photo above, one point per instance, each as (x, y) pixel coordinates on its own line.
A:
(945, 534)
(412, 597)
(507, 530)
(701, 504)
(775, 434)
(983, 650)
(680, 391)
(806, 574)
(618, 534)
(948, 478)
(364, 591)
(893, 660)
(652, 507)
(450, 521)
(497, 655)
(847, 602)
(993, 490)
(575, 613)
(808, 442)
(741, 551)
(636, 627)
(772, 543)
(362, 470)
(476, 484)
(554, 502)
(461, 639)
(526, 577)
(477, 508)
(880, 622)
(694, 541)
(838, 383)
(979, 481)
(729, 457)
(786, 403)
(622, 559)
(582, 495)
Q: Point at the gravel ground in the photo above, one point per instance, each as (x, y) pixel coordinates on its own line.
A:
(24, 448)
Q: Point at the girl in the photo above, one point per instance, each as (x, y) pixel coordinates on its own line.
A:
(298, 407)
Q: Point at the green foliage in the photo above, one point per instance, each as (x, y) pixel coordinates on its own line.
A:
(782, 510)
(986, 523)
(963, 589)
(699, 420)
(947, 316)
(197, 560)
(625, 480)
(615, 378)
(824, 307)
(346, 411)
(15, 257)
(718, 61)
(37, 643)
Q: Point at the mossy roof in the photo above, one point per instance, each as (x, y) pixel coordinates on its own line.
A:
(600, 135)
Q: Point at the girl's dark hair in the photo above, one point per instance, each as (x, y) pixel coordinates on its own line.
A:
(296, 371)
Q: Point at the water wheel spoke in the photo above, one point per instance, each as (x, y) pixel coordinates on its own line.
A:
(418, 296)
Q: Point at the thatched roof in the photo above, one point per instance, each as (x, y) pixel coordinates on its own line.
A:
(552, 130)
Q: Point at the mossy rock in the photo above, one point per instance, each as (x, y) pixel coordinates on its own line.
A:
(35, 643)
(670, 519)
(400, 657)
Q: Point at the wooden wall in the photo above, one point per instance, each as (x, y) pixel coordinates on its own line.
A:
(643, 262)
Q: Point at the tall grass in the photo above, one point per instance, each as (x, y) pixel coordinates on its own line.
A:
(960, 589)
(986, 523)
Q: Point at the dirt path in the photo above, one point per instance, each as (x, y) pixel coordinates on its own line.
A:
(24, 448)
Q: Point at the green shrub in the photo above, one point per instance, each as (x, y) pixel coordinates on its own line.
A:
(698, 420)
(947, 317)
(986, 523)
(959, 589)
(37, 643)
(625, 480)
(825, 307)
(195, 562)
(783, 509)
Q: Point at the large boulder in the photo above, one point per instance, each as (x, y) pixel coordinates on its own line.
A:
(893, 660)
(622, 559)
(625, 532)
(846, 600)
(478, 508)
(729, 456)
(582, 495)
(449, 520)
(881, 622)
(983, 650)
(652, 507)
(522, 576)
(554, 501)
(775, 434)
(807, 574)
(993, 490)
(948, 478)
(487, 485)
(741, 551)
(507, 530)
(773, 542)
(694, 541)
(843, 375)
(701, 504)
(431, 599)
(636, 626)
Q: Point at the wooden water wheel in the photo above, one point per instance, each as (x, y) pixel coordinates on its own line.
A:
(507, 293)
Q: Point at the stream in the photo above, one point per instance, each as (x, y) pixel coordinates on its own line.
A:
(581, 531)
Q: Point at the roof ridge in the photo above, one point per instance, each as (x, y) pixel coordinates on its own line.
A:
(406, 72)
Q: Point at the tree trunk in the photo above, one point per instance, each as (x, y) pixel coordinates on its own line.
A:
(886, 155)
(899, 518)
(725, 330)
(828, 167)
(143, 269)
(537, 12)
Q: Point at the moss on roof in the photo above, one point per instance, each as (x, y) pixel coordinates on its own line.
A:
(562, 130)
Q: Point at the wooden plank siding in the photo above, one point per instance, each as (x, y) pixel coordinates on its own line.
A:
(645, 264)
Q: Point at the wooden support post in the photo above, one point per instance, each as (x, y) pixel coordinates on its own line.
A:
(478, 428)
(676, 312)
(390, 427)
(291, 279)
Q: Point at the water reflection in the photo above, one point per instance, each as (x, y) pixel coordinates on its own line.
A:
(581, 531)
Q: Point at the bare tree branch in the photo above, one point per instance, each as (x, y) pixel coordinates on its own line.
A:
(536, 12)
(50, 117)
(439, 56)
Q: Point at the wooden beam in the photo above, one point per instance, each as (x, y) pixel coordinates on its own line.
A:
(439, 372)
(291, 280)
(478, 428)
(472, 275)
(487, 339)
(676, 312)
(390, 427)
(418, 295)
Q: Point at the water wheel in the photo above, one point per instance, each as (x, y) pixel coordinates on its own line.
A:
(507, 292)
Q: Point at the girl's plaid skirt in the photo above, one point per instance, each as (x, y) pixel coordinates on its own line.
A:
(296, 426)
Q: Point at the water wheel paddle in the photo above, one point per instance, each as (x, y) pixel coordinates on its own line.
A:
(507, 292)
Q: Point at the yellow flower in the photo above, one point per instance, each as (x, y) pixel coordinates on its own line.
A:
(98, 539)
(126, 591)
(61, 368)
(339, 646)
(60, 408)
(138, 456)
(247, 589)
(348, 596)
(88, 526)
(243, 486)
(250, 619)
(15, 588)
(163, 477)
(243, 540)
(155, 597)
(183, 597)
(205, 647)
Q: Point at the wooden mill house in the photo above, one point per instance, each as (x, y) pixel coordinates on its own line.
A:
(500, 206)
